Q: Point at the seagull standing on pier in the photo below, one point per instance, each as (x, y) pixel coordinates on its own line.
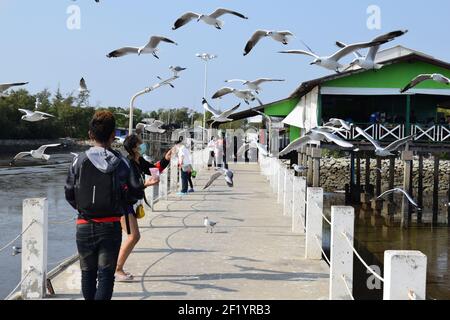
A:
(209, 225)
(299, 169)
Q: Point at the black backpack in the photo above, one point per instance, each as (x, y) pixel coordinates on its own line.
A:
(98, 194)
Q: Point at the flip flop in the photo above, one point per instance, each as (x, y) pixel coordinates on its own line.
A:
(123, 278)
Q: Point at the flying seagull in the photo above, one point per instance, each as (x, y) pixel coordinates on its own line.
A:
(176, 70)
(219, 116)
(252, 145)
(83, 87)
(384, 152)
(368, 62)
(246, 95)
(399, 190)
(280, 36)
(155, 127)
(150, 48)
(211, 19)
(227, 174)
(209, 225)
(332, 62)
(338, 123)
(314, 135)
(37, 154)
(6, 86)
(34, 116)
(424, 77)
(256, 84)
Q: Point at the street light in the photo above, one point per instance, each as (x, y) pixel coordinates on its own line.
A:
(167, 82)
(206, 57)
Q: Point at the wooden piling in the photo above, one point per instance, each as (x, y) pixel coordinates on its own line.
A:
(378, 182)
(367, 183)
(420, 189)
(358, 171)
(407, 157)
(436, 189)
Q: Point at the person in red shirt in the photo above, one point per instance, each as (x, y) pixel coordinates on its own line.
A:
(100, 185)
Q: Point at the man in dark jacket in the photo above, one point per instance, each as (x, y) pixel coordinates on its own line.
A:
(99, 186)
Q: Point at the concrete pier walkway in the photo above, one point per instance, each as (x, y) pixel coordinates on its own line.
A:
(252, 255)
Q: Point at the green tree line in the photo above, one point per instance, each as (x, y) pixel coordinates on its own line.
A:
(72, 116)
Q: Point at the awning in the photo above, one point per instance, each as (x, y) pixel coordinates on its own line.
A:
(305, 114)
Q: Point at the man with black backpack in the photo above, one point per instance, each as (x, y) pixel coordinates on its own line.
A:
(100, 186)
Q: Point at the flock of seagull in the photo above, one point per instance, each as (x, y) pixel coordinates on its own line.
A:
(328, 132)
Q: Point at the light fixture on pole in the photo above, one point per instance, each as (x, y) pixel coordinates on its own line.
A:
(206, 57)
(167, 82)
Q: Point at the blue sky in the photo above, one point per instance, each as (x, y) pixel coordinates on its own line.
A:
(38, 47)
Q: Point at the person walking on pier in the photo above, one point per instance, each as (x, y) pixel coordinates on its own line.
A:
(140, 167)
(185, 164)
(212, 157)
(100, 185)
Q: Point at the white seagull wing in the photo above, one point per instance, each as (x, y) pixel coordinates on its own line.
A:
(6, 86)
(213, 178)
(229, 112)
(44, 114)
(295, 145)
(21, 155)
(221, 11)
(262, 80)
(185, 19)
(122, 52)
(335, 139)
(397, 144)
(222, 92)
(44, 147)
(155, 41)
(414, 82)
(27, 112)
(303, 52)
(208, 107)
(83, 84)
(256, 37)
(368, 137)
(352, 48)
(385, 37)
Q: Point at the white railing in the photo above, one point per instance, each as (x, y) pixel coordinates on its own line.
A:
(404, 271)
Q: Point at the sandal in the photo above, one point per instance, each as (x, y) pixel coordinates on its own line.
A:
(123, 278)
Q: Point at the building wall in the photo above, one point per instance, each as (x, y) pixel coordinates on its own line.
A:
(397, 75)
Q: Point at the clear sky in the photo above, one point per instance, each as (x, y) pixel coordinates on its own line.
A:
(37, 46)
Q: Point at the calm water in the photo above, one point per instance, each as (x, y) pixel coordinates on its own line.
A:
(19, 183)
(373, 236)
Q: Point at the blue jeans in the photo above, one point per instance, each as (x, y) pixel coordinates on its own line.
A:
(184, 181)
(98, 246)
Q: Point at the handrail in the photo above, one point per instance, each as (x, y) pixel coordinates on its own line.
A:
(18, 236)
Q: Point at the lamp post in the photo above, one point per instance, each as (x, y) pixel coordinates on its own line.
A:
(206, 57)
(167, 82)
